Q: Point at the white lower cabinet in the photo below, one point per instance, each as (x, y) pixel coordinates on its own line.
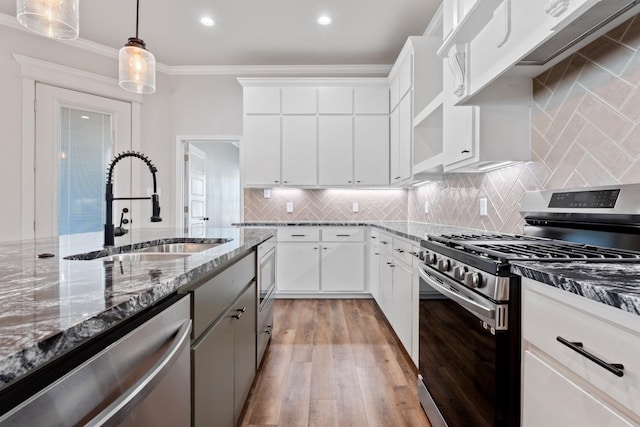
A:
(553, 400)
(373, 263)
(561, 386)
(399, 288)
(316, 261)
(342, 266)
(298, 267)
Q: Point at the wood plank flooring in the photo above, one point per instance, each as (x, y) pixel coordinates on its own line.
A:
(333, 363)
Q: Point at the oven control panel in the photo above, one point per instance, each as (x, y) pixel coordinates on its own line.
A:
(585, 199)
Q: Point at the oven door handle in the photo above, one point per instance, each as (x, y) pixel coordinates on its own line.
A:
(472, 306)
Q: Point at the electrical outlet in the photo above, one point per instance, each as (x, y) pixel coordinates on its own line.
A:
(483, 206)
(289, 207)
(426, 207)
(266, 193)
(355, 207)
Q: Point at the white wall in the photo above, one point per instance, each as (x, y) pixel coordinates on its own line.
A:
(182, 105)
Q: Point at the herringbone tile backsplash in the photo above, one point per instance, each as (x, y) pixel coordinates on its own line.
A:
(585, 132)
(326, 205)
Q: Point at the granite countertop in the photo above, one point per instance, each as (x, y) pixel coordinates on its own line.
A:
(410, 230)
(51, 305)
(613, 284)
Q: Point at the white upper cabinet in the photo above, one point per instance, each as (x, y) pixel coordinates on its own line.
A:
(261, 150)
(299, 100)
(371, 100)
(300, 132)
(371, 150)
(335, 100)
(299, 159)
(405, 129)
(335, 159)
(261, 100)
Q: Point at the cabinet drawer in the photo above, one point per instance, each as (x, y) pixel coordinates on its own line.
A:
(386, 242)
(214, 296)
(298, 234)
(545, 319)
(402, 251)
(342, 234)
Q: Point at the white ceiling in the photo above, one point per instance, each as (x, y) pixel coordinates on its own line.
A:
(258, 32)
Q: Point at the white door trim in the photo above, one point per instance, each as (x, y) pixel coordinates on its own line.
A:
(180, 172)
(36, 70)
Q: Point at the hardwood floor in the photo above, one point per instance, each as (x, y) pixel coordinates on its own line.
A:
(333, 363)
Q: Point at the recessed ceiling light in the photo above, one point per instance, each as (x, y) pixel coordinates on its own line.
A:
(325, 20)
(207, 21)
(84, 117)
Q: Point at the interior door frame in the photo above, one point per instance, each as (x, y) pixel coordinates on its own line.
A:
(180, 172)
(36, 70)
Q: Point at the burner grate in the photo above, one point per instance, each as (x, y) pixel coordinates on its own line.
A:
(550, 250)
(449, 238)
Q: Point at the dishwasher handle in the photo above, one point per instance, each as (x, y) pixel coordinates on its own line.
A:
(119, 409)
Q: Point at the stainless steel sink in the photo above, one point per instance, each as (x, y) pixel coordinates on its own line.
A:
(141, 257)
(181, 247)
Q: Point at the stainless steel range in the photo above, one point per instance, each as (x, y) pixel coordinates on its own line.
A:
(470, 301)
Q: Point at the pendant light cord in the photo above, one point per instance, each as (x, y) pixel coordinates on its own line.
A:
(137, 15)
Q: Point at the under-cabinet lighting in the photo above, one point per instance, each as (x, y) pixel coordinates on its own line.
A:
(84, 117)
(496, 165)
(420, 183)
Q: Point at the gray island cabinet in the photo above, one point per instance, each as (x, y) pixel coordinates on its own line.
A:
(223, 349)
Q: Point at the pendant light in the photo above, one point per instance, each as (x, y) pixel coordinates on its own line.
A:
(58, 19)
(137, 66)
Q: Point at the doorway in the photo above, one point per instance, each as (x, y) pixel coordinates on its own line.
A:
(211, 184)
(76, 135)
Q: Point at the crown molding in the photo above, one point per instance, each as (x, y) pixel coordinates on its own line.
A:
(210, 70)
(274, 70)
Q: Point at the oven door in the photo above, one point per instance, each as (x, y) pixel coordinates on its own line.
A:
(463, 361)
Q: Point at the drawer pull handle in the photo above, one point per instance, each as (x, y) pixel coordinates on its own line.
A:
(237, 316)
(373, 237)
(400, 250)
(343, 235)
(614, 368)
(298, 235)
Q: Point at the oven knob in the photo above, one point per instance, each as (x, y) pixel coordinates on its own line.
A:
(473, 280)
(459, 272)
(431, 258)
(444, 265)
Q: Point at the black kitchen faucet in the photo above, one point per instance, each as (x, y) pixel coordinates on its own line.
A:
(109, 229)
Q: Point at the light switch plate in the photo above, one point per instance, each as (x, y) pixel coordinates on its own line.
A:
(355, 207)
(426, 207)
(289, 207)
(266, 193)
(483, 206)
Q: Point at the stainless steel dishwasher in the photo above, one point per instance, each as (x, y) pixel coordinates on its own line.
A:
(141, 379)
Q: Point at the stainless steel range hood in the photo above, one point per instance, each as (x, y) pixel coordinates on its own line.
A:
(598, 16)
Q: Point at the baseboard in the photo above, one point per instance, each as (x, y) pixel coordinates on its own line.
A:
(321, 294)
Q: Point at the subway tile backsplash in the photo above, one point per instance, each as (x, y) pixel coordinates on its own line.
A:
(585, 131)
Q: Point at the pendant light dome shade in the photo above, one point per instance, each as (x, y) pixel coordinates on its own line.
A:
(137, 67)
(58, 19)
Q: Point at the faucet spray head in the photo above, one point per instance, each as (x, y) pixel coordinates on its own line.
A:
(155, 208)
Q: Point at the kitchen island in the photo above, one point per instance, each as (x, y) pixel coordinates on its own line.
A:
(51, 305)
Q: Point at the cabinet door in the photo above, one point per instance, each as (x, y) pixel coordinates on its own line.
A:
(335, 148)
(244, 315)
(299, 157)
(371, 147)
(342, 266)
(213, 386)
(335, 100)
(371, 100)
(298, 267)
(374, 271)
(405, 75)
(386, 286)
(552, 400)
(405, 132)
(402, 320)
(458, 130)
(394, 146)
(261, 150)
(261, 100)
